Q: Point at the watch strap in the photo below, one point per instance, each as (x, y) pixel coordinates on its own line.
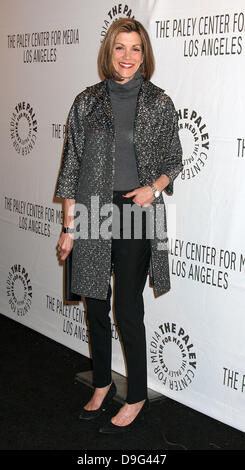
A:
(68, 230)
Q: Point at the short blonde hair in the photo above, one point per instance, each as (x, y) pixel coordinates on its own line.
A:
(124, 25)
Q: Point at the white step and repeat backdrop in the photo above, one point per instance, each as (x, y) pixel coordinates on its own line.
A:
(196, 331)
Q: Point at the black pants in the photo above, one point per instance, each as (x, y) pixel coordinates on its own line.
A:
(130, 258)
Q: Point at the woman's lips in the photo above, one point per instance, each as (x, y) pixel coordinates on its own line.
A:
(125, 66)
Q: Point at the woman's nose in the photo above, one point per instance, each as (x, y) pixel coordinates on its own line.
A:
(126, 54)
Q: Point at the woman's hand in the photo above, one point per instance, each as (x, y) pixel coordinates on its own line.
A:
(143, 196)
(65, 245)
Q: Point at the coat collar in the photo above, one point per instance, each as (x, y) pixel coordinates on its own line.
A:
(101, 94)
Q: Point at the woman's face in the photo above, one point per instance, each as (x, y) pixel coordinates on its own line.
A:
(127, 55)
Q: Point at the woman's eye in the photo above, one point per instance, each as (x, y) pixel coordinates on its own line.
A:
(119, 48)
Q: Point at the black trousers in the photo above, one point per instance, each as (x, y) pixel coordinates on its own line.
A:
(130, 258)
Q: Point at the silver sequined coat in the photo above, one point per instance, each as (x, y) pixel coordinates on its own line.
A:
(87, 170)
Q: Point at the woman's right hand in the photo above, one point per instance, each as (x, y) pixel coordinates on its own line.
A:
(65, 245)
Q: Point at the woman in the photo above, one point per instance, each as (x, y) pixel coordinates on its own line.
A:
(121, 149)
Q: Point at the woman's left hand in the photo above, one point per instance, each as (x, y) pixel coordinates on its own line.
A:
(143, 196)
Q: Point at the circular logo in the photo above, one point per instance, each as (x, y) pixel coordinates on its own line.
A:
(116, 12)
(195, 142)
(19, 290)
(23, 128)
(173, 356)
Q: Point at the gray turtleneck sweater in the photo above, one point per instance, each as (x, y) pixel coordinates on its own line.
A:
(123, 99)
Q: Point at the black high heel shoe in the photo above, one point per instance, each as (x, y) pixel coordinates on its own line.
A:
(87, 415)
(110, 428)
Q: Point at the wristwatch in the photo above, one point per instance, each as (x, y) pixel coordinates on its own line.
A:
(156, 191)
(68, 230)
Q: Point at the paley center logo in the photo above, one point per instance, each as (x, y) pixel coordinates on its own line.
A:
(19, 290)
(117, 11)
(194, 138)
(23, 128)
(173, 356)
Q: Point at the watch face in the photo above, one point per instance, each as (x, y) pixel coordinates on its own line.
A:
(157, 193)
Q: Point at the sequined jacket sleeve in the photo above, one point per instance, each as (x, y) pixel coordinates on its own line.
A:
(172, 162)
(72, 153)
